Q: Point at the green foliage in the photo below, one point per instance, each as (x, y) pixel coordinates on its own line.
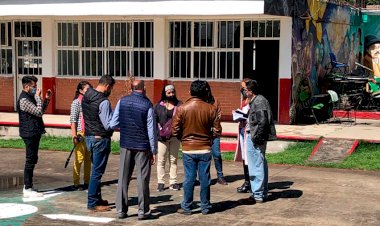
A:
(373, 2)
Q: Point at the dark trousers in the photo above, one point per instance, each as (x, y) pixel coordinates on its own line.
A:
(128, 160)
(31, 151)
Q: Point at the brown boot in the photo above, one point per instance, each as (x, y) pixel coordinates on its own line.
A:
(100, 208)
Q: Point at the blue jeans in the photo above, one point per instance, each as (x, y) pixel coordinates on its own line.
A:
(193, 164)
(215, 150)
(258, 169)
(100, 149)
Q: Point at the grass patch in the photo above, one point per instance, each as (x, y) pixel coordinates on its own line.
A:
(365, 157)
(51, 143)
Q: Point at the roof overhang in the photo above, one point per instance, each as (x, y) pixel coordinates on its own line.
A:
(130, 8)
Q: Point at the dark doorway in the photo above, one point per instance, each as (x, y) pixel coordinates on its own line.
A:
(260, 62)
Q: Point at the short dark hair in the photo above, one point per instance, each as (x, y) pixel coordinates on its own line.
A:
(139, 85)
(198, 88)
(107, 80)
(28, 79)
(253, 86)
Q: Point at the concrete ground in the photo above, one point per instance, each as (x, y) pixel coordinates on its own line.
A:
(298, 196)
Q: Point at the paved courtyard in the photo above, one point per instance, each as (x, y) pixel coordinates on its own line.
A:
(298, 196)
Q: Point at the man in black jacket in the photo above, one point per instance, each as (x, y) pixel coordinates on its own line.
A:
(31, 107)
(97, 114)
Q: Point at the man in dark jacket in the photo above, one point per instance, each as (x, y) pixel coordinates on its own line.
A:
(138, 146)
(31, 107)
(97, 114)
(195, 124)
(261, 129)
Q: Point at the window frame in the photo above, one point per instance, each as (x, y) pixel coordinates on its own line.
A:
(107, 49)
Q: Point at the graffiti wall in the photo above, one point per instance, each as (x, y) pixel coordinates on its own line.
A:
(319, 30)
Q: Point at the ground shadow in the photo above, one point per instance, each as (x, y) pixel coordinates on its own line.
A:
(70, 188)
(280, 185)
(152, 199)
(229, 178)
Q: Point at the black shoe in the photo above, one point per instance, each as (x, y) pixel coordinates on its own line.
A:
(160, 187)
(222, 181)
(245, 188)
(122, 215)
(75, 188)
(175, 187)
(85, 186)
(147, 217)
(185, 212)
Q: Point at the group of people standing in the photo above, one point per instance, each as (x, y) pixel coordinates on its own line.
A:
(148, 135)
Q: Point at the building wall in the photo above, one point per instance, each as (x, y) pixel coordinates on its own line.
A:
(6, 93)
(318, 29)
(227, 91)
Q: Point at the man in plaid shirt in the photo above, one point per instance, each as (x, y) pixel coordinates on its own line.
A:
(31, 107)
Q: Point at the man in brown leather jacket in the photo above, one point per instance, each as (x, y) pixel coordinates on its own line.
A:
(195, 124)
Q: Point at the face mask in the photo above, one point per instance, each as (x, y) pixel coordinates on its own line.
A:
(244, 93)
(171, 98)
(33, 91)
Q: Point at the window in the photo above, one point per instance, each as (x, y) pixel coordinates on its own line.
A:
(97, 48)
(5, 47)
(262, 29)
(204, 49)
(28, 47)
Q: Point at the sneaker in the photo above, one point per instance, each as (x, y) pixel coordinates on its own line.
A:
(160, 187)
(31, 193)
(175, 187)
(122, 215)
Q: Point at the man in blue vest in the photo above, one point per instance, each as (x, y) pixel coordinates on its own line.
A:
(31, 107)
(134, 116)
(97, 114)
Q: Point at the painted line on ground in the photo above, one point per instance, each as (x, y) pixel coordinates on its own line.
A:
(10, 210)
(78, 218)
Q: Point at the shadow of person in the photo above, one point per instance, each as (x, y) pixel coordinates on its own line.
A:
(286, 194)
(229, 178)
(70, 188)
(280, 185)
(152, 200)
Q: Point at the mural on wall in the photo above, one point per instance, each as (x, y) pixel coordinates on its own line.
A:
(319, 30)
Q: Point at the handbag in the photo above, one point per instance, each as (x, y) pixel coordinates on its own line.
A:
(166, 129)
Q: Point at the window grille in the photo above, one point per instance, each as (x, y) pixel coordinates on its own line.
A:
(28, 47)
(262, 29)
(5, 47)
(88, 48)
(204, 49)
